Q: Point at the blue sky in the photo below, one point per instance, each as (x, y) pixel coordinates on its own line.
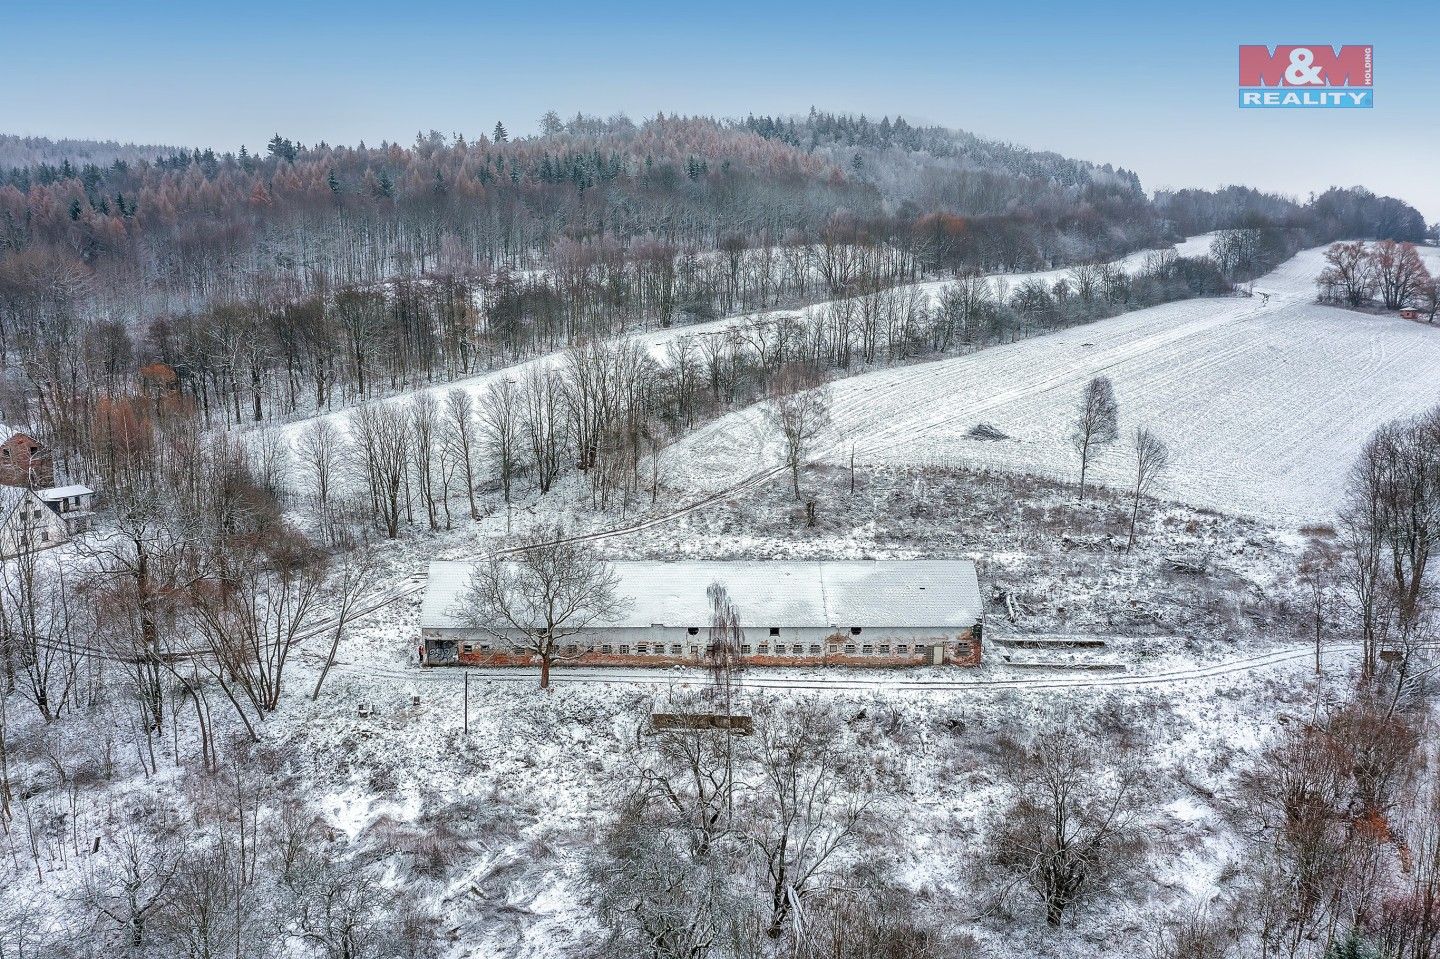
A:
(1149, 86)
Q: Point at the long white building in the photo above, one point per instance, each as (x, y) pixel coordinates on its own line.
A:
(800, 613)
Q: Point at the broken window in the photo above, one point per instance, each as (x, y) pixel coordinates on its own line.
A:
(850, 649)
(774, 630)
(624, 650)
(884, 650)
(866, 650)
(745, 649)
(814, 649)
(676, 649)
(607, 649)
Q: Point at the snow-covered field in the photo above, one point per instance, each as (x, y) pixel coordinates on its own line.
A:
(1263, 401)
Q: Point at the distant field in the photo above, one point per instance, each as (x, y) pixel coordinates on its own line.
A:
(1264, 405)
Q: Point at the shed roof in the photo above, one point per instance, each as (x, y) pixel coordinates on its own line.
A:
(787, 593)
(62, 492)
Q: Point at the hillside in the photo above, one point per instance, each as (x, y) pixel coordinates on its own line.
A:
(1265, 402)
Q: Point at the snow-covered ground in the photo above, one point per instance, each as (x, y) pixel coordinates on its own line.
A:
(657, 340)
(1264, 401)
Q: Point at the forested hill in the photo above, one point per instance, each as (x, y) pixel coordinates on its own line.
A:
(184, 230)
(18, 151)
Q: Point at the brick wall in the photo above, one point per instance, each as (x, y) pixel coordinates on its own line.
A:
(961, 650)
(24, 462)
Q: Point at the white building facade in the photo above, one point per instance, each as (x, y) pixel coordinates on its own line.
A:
(32, 519)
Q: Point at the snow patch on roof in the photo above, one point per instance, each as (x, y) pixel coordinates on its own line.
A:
(796, 593)
(63, 492)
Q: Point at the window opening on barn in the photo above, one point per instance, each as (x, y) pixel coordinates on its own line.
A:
(815, 648)
(774, 630)
(854, 630)
(693, 631)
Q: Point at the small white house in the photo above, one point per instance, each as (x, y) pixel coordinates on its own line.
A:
(32, 519)
(75, 505)
(792, 613)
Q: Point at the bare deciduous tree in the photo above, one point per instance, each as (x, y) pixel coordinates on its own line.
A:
(549, 590)
(133, 875)
(460, 438)
(1391, 526)
(319, 448)
(1071, 820)
(500, 420)
(380, 444)
(799, 411)
(804, 811)
(1349, 276)
(1098, 423)
(1152, 456)
(1400, 274)
(254, 609)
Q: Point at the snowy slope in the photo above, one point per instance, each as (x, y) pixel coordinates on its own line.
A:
(1264, 404)
(657, 340)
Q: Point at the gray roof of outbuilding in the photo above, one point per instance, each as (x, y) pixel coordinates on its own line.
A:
(788, 593)
(63, 492)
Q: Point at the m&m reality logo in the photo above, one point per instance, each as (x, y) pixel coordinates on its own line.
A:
(1312, 75)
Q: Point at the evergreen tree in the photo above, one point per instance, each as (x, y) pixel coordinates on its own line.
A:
(282, 149)
(500, 135)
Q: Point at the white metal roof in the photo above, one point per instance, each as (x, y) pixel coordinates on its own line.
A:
(788, 593)
(62, 492)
